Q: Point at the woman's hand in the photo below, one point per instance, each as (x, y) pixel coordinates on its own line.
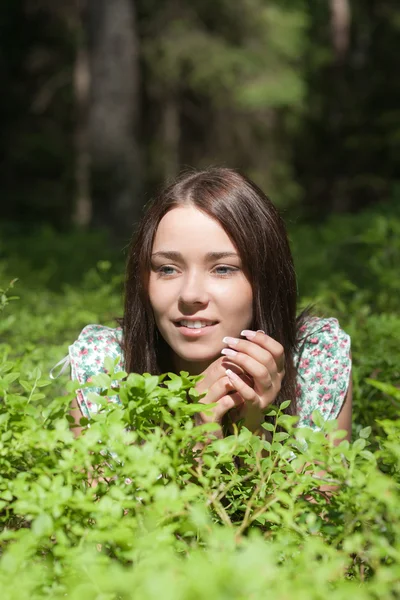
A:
(220, 390)
(263, 359)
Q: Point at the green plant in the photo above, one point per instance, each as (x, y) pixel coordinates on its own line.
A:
(237, 520)
(193, 523)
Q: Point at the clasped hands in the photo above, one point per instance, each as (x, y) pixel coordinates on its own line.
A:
(247, 379)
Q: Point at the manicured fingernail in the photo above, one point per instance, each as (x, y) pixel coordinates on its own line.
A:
(228, 352)
(260, 331)
(230, 341)
(249, 334)
(232, 375)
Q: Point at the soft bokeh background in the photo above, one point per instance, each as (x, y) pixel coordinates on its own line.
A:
(104, 101)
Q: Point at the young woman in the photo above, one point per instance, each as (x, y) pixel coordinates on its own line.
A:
(211, 289)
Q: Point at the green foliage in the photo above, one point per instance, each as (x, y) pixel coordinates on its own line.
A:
(5, 298)
(174, 513)
(348, 268)
(245, 55)
(42, 324)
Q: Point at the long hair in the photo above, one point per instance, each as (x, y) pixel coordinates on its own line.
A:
(259, 234)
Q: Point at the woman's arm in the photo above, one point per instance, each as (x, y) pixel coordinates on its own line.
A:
(76, 414)
(345, 416)
(344, 420)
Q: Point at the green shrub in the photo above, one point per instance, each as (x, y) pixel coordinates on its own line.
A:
(174, 515)
(246, 518)
(349, 268)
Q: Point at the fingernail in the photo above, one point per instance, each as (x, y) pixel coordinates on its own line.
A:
(230, 341)
(249, 334)
(232, 375)
(228, 352)
(260, 331)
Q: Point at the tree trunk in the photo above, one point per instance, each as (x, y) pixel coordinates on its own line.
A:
(340, 31)
(340, 27)
(171, 137)
(83, 201)
(113, 113)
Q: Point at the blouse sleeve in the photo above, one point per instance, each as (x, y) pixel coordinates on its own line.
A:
(86, 357)
(324, 369)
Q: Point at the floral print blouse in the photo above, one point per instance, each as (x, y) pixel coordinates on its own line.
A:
(323, 366)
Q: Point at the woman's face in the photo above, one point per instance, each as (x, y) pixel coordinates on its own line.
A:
(197, 288)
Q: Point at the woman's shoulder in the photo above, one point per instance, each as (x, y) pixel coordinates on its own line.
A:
(93, 344)
(93, 337)
(87, 355)
(317, 334)
(323, 363)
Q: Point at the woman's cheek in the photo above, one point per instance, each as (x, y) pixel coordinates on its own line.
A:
(236, 297)
(163, 296)
(155, 297)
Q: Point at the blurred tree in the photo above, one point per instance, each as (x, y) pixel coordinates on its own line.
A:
(107, 99)
(221, 79)
(36, 116)
(113, 112)
(83, 213)
(340, 27)
(347, 149)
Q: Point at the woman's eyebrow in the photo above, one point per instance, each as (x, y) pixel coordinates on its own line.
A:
(219, 255)
(172, 255)
(167, 254)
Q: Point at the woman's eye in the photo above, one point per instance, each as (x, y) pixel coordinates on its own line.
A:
(166, 270)
(224, 270)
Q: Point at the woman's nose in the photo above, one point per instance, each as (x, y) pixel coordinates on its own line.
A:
(194, 289)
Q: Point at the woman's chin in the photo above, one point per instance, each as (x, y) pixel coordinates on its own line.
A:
(194, 362)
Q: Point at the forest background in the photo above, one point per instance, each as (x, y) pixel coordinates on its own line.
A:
(102, 103)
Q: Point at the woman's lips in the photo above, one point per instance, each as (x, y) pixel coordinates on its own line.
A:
(195, 332)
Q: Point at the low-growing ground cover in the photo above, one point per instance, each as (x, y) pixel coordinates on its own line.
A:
(161, 522)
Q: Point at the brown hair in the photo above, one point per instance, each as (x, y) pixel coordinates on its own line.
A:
(256, 228)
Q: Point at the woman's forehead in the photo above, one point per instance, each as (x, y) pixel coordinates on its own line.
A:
(188, 229)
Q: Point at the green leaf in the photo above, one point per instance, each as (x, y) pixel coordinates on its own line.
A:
(268, 426)
(365, 433)
(119, 375)
(43, 525)
(135, 381)
(318, 419)
(387, 388)
(208, 427)
(109, 364)
(287, 421)
(150, 384)
(280, 436)
(36, 397)
(194, 394)
(285, 404)
(43, 383)
(272, 517)
(174, 383)
(101, 380)
(27, 385)
(6, 366)
(271, 412)
(359, 444)
(10, 377)
(6, 495)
